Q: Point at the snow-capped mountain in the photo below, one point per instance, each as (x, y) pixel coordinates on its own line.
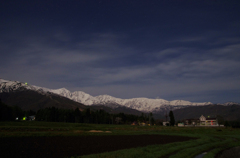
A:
(10, 86)
(141, 104)
(229, 103)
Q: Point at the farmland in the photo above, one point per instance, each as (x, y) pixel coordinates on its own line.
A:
(113, 140)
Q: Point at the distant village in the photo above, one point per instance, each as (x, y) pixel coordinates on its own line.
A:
(202, 122)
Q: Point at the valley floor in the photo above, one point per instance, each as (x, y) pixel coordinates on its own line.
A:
(52, 139)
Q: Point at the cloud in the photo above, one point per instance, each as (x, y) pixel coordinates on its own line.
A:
(65, 57)
(101, 63)
(126, 75)
(229, 51)
(188, 39)
(43, 58)
(192, 90)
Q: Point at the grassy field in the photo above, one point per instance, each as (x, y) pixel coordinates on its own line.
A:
(210, 140)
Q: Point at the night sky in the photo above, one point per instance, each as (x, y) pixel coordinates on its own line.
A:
(168, 49)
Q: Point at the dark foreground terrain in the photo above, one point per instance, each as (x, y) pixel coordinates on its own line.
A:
(58, 147)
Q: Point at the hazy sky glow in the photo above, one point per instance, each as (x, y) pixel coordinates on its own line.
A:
(170, 49)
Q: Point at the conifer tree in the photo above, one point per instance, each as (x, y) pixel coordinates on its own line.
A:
(172, 120)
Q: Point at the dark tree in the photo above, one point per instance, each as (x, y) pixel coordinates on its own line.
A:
(6, 113)
(220, 120)
(77, 114)
(172, 120)
(151, 119)
(18, 113)
(87, 116)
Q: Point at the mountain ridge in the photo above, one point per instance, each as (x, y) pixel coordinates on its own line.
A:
(140, 104)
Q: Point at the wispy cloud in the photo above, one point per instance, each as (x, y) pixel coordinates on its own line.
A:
(101, 63)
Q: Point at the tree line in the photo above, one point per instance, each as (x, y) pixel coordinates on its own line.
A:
(11, 113)
(88, 115)
(53, 114)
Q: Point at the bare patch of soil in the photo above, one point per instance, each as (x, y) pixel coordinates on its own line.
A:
(99, 131)
(60, 146)
(95, 131)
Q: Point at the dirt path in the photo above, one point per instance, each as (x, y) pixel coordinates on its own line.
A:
(58, 147)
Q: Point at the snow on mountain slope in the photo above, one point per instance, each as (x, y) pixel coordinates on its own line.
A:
(9, 86)
(229, 103)
(2, 80)
(141, 104)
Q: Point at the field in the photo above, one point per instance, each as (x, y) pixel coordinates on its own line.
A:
(44, 139)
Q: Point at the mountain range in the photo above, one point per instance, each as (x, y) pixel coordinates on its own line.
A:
(140, 104)
(33, 97)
